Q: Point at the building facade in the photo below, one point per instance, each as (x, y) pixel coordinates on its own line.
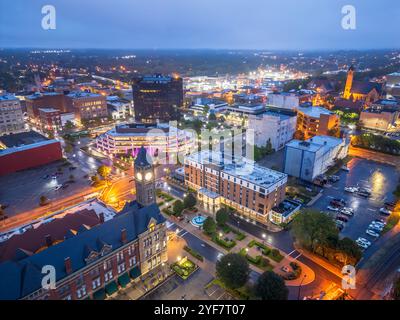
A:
(157, 98)
(11, 116)
(274, 126)
(382, 115)
(39, 100)
(87, 106)
(309, 159)
(290, 100)
(49, 119)
(92, 263)
(313, 121)
(250, 189)
(159, 140)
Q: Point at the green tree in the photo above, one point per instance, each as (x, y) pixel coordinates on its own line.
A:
(271, 286)
(349, 251)
(69, 125)
(233, 270)
(178, 207)
(68, 148)
(104, 171)
(189, 201)
(222, 216)
(313, 229)
(212, 117)
(209, 226)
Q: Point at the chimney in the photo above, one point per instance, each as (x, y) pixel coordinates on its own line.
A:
(101, 216)
(68, 265)
(49, 240)
(123, 236)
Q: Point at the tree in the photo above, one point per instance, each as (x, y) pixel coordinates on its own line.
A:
(209, 226)
(69, 125)
(104, 171)
(349, 251)
(212, 117)
(68, 148)
(396, 289)
(189, 201)
(233, 270)
(313, 229)
(43, 200)
(271, 286)
(178, 207)
(222, 216)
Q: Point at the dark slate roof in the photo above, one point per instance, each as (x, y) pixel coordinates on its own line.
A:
(141, 159)
(20, 278)
(365, 87)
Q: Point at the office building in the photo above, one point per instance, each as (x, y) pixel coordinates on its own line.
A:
(11, 116)
(157, 98)
(309, 159)
(87, 106)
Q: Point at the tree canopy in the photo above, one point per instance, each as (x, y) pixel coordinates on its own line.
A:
(189, 201)
(233, 269)
(209, 226)
(271, 286)
(178, 207)
(222, 216)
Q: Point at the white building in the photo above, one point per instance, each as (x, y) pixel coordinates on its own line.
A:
(309, 159)
(158, 139)
(276, 126)
(11, 116)
(211, 105)
(119, 108)
(290, 100)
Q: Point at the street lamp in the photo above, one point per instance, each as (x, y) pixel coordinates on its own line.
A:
(220, 234)
(264, 236)
(298, 297)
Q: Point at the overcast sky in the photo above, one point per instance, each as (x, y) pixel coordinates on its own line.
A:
(219, 24)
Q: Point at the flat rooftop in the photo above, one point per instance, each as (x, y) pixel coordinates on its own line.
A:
(315, 112)
(22, 139)
(82, 94)
(241, 167)
(315, 143)
(8, 97)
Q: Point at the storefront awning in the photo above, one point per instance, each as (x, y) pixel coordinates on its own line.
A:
(123, 280)
(135, 272)
(111, 288)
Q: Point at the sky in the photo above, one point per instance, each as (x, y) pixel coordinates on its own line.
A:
(201, 24)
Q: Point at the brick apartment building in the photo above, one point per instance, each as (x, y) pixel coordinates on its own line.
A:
(87, 106)
(49, 119)
(34, 102)
(238, 183)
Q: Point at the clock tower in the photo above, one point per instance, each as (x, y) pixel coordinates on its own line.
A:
(144, 179)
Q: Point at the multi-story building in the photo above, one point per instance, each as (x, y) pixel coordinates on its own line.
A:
(87, 106)
(157, 98)
(239, 183)
(92, 262)
(158, 139)
(290, 100)
(119, 108)
(238, 114)
(49, 119)
(275, 125)
(39, 100)
(313, 121)
(383, 115)
(11, 116)
(309, 159)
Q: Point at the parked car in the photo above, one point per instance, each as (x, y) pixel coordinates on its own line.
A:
(385, 211)
(362, 244)
(365, 241)
(390, 204)
(381, 221)
(341, 218)
(351, 189)
(345, 168)
(372, 233)
(332, 208)
(375, 227)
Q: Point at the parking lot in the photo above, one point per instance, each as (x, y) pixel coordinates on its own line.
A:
(21, 191)
(379, 178)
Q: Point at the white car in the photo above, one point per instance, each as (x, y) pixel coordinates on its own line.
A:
(376, 226)
(385, 211)
(350, 189)
(332, 208)
(345, 168)
(372, 233)
(362, 244)
(368, 243)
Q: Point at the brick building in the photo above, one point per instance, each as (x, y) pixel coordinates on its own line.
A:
(91, 262)
(34, 102)
(239, 183)
(87, 106)
(49, 119)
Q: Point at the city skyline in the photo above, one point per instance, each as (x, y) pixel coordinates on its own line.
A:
(264, 25)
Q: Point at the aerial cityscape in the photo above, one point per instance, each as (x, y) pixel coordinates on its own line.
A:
(141, 161)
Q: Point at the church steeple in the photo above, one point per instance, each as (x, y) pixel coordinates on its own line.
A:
(349, 83)
(144, 179)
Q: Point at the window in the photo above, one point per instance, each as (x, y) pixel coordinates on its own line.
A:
(107, 265)
(120, 256)
(81, 292)
(132, 261)
(96, 283)
(108, 276)
(121, 268)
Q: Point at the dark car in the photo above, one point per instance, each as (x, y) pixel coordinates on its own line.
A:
(341, 218)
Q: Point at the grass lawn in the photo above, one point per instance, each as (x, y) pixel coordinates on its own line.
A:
(258, 261)
(273, 254)
(184, 268)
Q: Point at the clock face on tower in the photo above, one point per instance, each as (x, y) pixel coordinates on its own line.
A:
(148, 176)
(139, 176)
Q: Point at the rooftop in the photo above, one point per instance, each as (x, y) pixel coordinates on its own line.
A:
(315, 112)
(8, 97)
(242, 168)
(316, 143)
(83, 94)
(22, 139)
